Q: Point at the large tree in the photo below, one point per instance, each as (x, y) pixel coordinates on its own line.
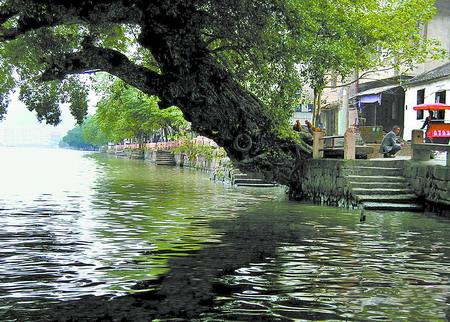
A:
(231, 66)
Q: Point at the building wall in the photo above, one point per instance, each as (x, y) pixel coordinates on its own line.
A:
(411, 121)
(439, 29)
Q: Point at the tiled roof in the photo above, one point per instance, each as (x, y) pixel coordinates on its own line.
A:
(440, 72)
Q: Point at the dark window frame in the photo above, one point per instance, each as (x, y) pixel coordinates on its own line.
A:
(420, 100)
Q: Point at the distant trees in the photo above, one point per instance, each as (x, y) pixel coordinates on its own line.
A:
(91, 132)
(74, 139)
(125, 112)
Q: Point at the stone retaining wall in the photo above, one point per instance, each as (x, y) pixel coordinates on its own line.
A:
(431, 182)
(219, 166)
(323, 182)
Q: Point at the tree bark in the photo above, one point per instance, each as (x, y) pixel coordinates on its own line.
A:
(216, 105)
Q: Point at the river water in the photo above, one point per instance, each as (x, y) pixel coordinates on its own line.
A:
(90, 237)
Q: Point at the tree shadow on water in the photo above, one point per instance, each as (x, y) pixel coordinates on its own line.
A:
(190, 285)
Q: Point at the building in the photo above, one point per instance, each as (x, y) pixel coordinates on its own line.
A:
(429, 87)
(378, 100)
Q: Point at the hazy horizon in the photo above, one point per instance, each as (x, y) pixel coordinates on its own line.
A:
(21, 127)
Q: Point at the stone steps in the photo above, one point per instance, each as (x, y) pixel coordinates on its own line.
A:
(258, 185)
(376, 184)
(375, 179)
(382, 191)
(392, 206)
(379, 185)
(164, 158)
(394, 198)
(240, 179)
(373, 171)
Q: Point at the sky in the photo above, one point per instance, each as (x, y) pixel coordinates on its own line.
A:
(20, 126)
(18, 116)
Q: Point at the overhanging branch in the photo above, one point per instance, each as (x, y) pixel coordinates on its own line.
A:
(92, 59)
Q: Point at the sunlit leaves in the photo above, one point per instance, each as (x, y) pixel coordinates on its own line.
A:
(125, 112)
(261, 41)
(91, 132)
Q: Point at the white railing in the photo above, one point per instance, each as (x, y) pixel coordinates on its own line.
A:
(199, 140)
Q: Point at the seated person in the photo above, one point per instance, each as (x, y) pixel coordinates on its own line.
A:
(389, 147)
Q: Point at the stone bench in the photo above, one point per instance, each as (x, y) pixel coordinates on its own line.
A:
(422, 151)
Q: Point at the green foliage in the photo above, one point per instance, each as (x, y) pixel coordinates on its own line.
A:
(74, 140)
(272, 47)
(194, 151)
(92, 133)
(125, 112)
(45, 99)
(24, 60)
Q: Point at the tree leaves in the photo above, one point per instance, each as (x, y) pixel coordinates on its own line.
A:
(272, 47)
(125, 112)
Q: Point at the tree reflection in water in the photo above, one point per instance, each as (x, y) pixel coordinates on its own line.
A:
(210, 252)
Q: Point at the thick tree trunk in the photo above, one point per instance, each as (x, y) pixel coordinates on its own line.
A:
(219, 108)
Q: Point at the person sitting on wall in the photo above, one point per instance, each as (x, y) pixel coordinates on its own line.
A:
(297, 126)
(390, 146)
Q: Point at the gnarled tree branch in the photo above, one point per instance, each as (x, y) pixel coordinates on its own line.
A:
(100, 59)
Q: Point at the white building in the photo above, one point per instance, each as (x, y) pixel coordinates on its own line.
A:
(429, 87)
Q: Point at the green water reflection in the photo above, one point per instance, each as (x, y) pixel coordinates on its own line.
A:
(187, 247)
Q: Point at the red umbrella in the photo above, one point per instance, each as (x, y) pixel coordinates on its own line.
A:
(432, 107)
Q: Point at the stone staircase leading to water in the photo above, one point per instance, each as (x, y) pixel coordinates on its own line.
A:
(245, 180)
(164, 158)
(380, 185)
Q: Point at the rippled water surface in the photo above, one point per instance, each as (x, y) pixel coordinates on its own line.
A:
(87, 237)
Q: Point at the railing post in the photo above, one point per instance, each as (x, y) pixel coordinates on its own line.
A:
(349, 145)
(417, 136)
(318, 144)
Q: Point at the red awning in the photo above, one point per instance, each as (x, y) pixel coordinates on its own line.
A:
(432, 107)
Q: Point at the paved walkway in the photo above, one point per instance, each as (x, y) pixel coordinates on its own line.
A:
(438, 160)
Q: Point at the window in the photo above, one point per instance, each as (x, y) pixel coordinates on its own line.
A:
(420, 115)
(421, 96)
(440, 98)
(420, 100)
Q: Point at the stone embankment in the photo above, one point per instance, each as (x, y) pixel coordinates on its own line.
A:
(218, 165)
(431, 183)
(378, 184)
